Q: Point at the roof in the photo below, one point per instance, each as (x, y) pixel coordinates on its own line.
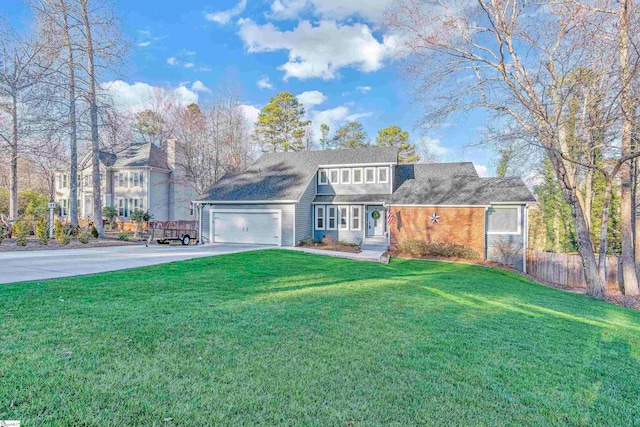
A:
(133, 156)
(353, 198)
(455, 184)
(285, 176)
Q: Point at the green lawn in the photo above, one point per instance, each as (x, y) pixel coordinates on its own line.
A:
(279, 337)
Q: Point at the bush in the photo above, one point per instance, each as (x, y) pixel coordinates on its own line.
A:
(64, 239)
(94, 231)
(330, 241)
(124, 235)
(110, 213)
(42, 231)
(309, 241)
(21, 232)
(58, 229)
(83, 237)
(420, 248)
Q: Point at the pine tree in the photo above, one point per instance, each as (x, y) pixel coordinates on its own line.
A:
(394, 136)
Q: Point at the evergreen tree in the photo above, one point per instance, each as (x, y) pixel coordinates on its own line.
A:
(351, 135)
(280, 126)
(394, 136)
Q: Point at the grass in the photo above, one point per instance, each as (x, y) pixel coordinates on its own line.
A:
(278, 337)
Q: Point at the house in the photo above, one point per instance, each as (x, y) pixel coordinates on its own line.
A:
(140, 177)
(365, 196)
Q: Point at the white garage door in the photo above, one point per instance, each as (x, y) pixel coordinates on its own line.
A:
(259, 227)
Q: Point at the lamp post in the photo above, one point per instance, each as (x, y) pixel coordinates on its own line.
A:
(52, 206)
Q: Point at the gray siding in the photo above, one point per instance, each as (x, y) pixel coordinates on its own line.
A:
(304, 213)
(515, 240)
(287, 219)
(158, 196)
(342, 235)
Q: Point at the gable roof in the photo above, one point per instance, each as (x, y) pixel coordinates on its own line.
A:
(285, 176)
(133, 156)
(455, 184)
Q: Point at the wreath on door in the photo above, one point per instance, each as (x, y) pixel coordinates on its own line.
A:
(375, 215)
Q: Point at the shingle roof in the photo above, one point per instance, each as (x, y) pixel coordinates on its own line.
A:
(285, 176)
(135, 155)
(353, 198)
(455, 184)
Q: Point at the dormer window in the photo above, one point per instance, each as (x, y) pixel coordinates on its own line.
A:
(345, 176)
(323, 179)
(357, 176)
(334, 176)
(383, 175)
(370, 175)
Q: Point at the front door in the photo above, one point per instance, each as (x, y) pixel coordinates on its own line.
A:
(375, 221)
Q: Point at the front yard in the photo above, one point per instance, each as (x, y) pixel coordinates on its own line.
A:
(279, 337)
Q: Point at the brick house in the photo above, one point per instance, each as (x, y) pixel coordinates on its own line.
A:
(365, 196)
(140, 177)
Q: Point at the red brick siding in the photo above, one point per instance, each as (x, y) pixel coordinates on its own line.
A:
(464, 226)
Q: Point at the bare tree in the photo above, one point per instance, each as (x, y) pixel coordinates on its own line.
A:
(519, 59)
(23, 64)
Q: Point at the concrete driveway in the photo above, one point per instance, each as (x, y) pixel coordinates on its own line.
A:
(51, 264)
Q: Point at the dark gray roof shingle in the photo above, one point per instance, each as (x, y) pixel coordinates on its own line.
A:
(285, 176)
(134, 156)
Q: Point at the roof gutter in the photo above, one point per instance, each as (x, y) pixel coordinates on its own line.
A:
(242, 202)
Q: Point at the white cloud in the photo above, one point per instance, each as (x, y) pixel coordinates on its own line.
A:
(264, 83)
(250, 112)
(144, 44)
(433, 145)
(189, 65)
(481, 169)
(172, 61)
(357, 116)
(319, 50)
(135, 97)
(225, 16)
(198, 86)
(371, 10)
(363, 89)
(311, 98)
(188, 52)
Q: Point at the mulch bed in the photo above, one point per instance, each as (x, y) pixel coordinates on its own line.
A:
(9, 245)
(339, 248)
(613, 297)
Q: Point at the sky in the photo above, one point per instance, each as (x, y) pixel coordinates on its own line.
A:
(331, 54)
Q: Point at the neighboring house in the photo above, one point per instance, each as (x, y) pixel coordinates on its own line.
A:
(140, 177)
(286, 197)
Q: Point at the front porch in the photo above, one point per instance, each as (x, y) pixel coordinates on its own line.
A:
(364, 224)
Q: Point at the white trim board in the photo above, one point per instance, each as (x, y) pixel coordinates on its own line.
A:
(243, 202)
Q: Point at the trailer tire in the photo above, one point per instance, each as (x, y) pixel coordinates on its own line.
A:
(186, 240)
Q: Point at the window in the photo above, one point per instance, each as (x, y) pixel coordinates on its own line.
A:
(355, 218)
(383, 175)
(322, 177)
(319, 217)
(503, 220)
(59, 180)
(357, 176)
(63, 181)
(334, 176)
(123, 180)
(120, 207)
(345, 176)
(64, 207)
(130, 179)
(370, 175)
(344, 217)
(136, 179)
(332, 217)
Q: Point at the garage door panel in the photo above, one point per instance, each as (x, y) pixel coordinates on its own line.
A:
(247, 227)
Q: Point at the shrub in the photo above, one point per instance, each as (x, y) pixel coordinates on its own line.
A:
(64, 239)
(58, 229)
(138, 218)
(420, 248)
(506, 251)
(330, 241)
(42, 231)
(124, 235)
(94, 231)
(110, 213)
(309, 241)
(83, 237)
(21, 232)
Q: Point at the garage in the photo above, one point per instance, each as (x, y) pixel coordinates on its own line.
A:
(262, 227)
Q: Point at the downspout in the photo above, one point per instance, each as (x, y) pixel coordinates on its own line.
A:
(525, 241)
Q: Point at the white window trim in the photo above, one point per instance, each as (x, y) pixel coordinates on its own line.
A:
(352, 217)
(353, 176)
(342, 180)
(519, 222)
(366, 181)
(386, 181)
(324, 217)
(348, 216)
(335, 217)
(337, 171)
(326, 177)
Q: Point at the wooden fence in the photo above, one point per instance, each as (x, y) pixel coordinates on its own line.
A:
(566, 269)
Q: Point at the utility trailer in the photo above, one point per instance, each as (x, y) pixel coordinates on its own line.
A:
(165, 232)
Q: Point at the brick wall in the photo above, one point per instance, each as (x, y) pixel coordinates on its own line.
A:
(464, 226)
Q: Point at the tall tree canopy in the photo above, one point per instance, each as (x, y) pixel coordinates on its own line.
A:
(351, 135)
(394, 136)
(280, 126)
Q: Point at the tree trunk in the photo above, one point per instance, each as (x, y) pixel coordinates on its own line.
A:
(13, 196)
(73, 135)
(595, 287)
(629, 276)
(93, 113)
(602, 256)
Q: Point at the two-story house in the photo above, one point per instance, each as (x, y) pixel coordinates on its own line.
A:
(364, 196)
(140, 177)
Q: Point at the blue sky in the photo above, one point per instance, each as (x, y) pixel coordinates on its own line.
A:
(329, 52)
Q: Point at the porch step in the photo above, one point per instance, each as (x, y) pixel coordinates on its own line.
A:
(375, 244)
